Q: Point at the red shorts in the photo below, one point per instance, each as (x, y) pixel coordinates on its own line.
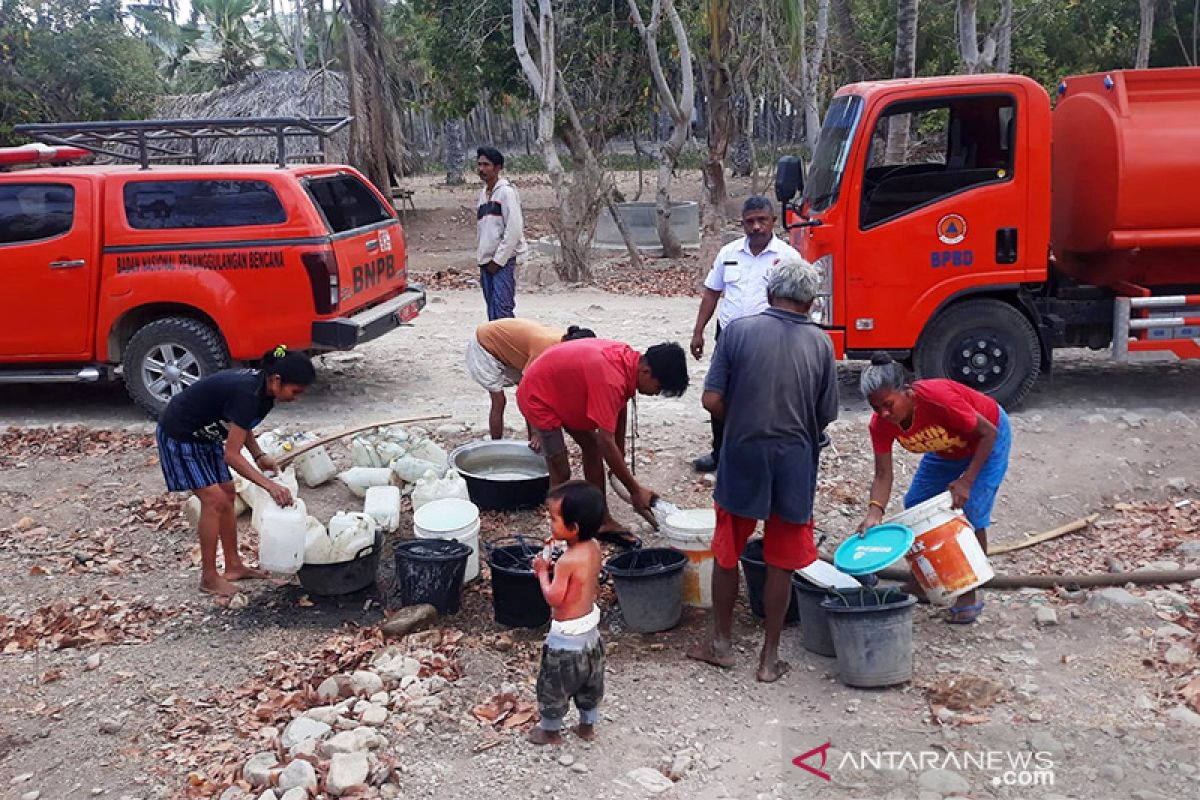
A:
(786, 545)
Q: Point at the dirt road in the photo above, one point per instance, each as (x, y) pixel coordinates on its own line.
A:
(118, 680)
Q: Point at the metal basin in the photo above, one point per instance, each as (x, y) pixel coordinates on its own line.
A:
(502, 475)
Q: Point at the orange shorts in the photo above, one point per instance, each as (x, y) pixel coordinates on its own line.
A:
(786, 545)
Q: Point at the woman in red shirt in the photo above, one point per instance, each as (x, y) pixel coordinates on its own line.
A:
(965, 436)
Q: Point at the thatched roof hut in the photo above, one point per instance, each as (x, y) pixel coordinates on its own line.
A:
(267, 93)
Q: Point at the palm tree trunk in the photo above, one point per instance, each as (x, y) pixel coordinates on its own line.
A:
(905, 66)
(454, 133)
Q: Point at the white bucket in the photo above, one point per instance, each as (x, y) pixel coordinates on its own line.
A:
(946, 559)
(453, 519)
(691, 531)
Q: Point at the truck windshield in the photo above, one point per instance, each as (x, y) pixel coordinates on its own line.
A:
(833, 148)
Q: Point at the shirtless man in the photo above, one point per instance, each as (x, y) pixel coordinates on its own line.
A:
(573, 658)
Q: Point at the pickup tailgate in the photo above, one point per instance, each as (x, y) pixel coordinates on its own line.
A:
(367, 240)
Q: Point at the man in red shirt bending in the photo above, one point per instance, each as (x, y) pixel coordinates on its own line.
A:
(582, 387)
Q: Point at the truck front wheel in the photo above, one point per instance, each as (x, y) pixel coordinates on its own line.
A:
(985, 344)
(168, 355)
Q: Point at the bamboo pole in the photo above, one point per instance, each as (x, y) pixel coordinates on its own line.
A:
(1062, 530)
(299, 451)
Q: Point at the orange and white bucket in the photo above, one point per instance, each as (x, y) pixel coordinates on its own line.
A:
(691, 531)
(946, 559)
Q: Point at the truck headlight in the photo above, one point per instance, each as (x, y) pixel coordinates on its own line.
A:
(822, 308)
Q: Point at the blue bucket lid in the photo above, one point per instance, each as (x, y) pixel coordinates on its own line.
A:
(878, 548)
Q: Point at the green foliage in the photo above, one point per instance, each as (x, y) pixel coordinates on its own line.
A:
(71, 60)
(468, 48)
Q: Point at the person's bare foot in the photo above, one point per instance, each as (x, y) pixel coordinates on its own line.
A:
(540, 735)
(243, 573)
(218, 585)
(709, 653)
(585, 731)
(769, 673)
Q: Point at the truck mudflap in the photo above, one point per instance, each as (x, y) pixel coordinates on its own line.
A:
(346, 332)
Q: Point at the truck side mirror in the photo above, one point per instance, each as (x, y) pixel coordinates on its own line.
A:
(789, 178)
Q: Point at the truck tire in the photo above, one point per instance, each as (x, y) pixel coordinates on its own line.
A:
(166, 356)
(985, 344)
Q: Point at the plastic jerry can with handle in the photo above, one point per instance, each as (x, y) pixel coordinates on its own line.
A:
(383, 504)
(282, 537)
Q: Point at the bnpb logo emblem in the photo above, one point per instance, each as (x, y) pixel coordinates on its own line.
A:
(951, 229)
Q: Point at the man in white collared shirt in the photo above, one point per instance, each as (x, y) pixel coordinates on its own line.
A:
(738, 279)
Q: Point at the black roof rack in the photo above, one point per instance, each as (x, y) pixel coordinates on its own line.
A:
(156, 140)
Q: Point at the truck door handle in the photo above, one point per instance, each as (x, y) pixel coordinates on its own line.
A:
(372, 245)
(74, 264)
(1006, 245)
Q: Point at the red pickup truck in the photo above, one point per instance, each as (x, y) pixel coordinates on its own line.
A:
(161, 276)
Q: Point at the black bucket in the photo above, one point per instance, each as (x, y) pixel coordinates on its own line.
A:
(755, 570)
(813, 619)
(516, 594)
(872, 630)
(343, 577)
(431, 571)
(649, 586)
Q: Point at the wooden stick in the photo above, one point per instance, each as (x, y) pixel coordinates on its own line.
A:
(1062, 530)
(299, 451)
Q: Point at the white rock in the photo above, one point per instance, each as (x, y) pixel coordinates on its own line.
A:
(1095, 419)
(1111, 773)
(566, 759)
(329, 689)
(269, 794)
(326, 714)
(374, 715)
(1045, 616)
(295, 794)
(399, 668)
(343, 742)
(257, 769)
(1178, 654)
(298, 775)
(437, 684)
(303, 729)
(650, 779)
(1114, 597)
(1179, 484)
(943, 782)
(679, 766)
(1184, 715)
(365, 682)
(346, 770)
(1171, 631)
(379, 698)
(34, 795)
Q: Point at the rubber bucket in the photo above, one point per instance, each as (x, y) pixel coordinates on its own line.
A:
(343, 577)
(946, 559)
(691, 532)
(872, 633)
(453, 519)
(755, 571)
(649, 586)
(431, 571)
(814, 622)
(517, 598)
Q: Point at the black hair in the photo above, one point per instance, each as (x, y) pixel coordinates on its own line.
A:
(491, 154)
(291, 367)
(758, 203)
(668, 365)
(581, 506)
(884, 373)
(575, 332)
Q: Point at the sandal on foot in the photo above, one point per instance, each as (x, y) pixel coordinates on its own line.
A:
(623, 539)
(965, 615)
